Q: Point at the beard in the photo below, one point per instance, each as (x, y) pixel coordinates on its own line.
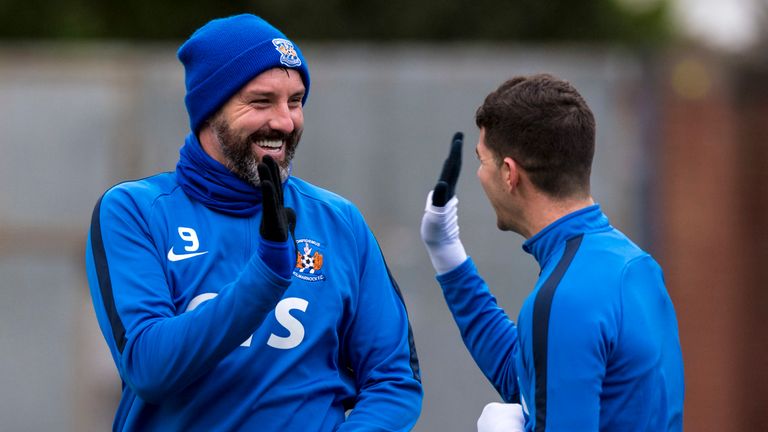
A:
(242, 160)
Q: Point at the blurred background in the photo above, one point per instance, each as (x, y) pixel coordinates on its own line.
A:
(91, 94)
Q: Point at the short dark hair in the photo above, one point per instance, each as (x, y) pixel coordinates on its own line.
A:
(545, 125)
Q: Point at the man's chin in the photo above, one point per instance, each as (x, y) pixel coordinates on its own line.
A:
(253, 177)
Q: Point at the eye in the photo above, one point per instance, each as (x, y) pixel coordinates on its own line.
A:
(295, 102)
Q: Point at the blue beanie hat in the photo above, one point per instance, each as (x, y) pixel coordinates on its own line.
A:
(225, 54)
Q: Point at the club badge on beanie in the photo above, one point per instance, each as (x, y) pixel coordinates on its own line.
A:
(225, 54)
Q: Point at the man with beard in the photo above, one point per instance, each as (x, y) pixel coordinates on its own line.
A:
(234, 296)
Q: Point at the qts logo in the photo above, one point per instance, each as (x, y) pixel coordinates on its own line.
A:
(309, 261)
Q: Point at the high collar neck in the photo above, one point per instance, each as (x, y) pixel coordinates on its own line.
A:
(214, 185)
(546, 241)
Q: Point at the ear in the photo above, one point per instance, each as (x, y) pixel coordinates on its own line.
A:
(510, 172)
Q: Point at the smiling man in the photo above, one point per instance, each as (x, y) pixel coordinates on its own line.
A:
(233, 295)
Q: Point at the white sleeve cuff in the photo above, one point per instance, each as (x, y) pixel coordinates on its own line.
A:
(440, 234)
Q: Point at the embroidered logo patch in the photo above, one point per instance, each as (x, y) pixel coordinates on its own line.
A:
(309, 261)
(288, 55)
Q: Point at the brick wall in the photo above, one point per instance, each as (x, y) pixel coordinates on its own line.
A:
(713, 197)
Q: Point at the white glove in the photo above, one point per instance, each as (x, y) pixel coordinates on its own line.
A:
(501, 417)
(440, 234)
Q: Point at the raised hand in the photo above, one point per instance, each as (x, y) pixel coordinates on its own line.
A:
(278, 221)
(446, 184)
(439, 225)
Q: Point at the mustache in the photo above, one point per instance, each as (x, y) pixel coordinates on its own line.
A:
(273, 135)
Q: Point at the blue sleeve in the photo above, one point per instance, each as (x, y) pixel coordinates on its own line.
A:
(379, 346)
(487, 331)
(158, 351)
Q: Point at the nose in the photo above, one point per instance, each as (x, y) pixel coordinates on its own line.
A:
(281, 119)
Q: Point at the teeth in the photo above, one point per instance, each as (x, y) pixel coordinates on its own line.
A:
(270, 143)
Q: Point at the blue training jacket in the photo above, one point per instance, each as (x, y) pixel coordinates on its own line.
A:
(596, 346)
(204, 339)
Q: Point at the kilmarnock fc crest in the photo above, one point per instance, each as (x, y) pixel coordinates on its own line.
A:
(309, 261)
(287, 52)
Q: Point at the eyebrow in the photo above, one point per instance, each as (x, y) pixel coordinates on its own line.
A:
(261, 93)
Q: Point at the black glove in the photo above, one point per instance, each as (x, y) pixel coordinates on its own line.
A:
(277, 222)
(446, 185)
